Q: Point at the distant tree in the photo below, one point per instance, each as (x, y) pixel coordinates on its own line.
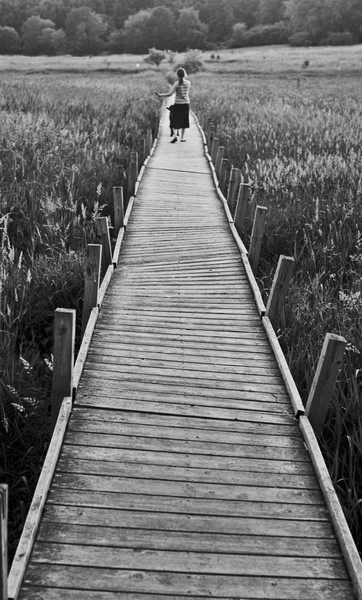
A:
(150, 28)
(315, 18)
(219, 16)
(55, 10)
(34, 41)
(85, 31)
(135, 32)
(245, 11)
(14, 13)
(58, 41)
(161, 28)
(239, 35)
(351, 18)
(116, 42)
(271, 11)
(192, 33)
(9, 41)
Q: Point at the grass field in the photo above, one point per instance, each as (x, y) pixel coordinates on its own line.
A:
(68, 125)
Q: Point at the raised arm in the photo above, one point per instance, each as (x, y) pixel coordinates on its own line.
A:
(167, 94)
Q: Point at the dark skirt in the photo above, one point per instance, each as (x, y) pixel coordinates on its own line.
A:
(179, 116)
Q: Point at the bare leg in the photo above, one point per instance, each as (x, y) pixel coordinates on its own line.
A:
(182, 135)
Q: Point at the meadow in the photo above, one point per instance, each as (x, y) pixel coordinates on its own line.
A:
(67, 127)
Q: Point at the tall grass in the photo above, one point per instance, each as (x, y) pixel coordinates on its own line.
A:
(300, 148)
(65, 142)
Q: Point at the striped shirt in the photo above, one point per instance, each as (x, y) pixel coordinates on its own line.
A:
(182, 92)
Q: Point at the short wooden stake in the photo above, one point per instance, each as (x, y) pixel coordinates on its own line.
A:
(234, 182)
(220, 156)
(63, 362)
(279, 289)
(149, 140)
(211, 136)
(241, 208)
(224, 166)
(257, 236)
(118, 208)
(143, 150)
(324, 381)
(132, 174)
(214, 150)
(103, 235)
(4, 542)
(91, 281)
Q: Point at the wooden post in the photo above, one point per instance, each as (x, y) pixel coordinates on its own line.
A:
(143, 150)
(241, 207)
(279, 289)
(63, 362)
(234, 182)
(103, 235)
(91, 281)
(132, 174)
(324, 381)
(257, 236)
(210, 136)
(224, 165)
(214, 150)
(118, 208)
(219, 158)
(4, 542)
(149, 140)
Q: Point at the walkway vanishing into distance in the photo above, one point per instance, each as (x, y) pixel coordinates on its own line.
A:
(183, 472)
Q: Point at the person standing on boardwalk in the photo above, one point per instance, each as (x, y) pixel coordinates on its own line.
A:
(180, 112)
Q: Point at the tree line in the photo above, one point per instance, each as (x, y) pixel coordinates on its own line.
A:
(86, 27)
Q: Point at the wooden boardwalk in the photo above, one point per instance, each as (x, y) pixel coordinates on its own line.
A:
(183, 473)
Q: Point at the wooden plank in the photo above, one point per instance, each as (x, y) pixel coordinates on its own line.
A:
(84, 347)
(188, 562)
(183, 541)
(105, 283)
(248, 411)
(198, 461)
(167, 512)
(95, 415)
(183, 433)
(295, 398)
(161, 582)
(192, 474)
(197, 447)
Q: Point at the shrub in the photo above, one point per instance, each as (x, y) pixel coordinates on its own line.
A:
(192, 62)
(155, 57)
(9, 41)
(300, 38)
(339, 38)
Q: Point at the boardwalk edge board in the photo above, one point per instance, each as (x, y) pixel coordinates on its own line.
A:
(26, 542)
(24, 548)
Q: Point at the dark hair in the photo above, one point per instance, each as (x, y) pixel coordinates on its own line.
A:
(181, 74)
